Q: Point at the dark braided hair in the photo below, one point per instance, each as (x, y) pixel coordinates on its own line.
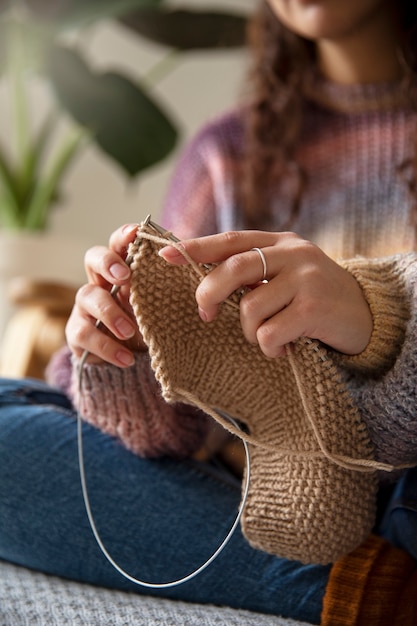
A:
(408, 58)
(282, 61)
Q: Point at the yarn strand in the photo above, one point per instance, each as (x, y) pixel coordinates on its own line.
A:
(347, 462)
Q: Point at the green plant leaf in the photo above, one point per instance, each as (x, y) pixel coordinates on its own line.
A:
(23, 41)
(10, 217)
(29, 169)
(189, 30)
(11, 209)
(8, 179)
(126, 123)
(46, 189)
(70, 13)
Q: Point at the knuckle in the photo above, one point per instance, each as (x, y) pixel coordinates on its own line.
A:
(232, 237)
(308, 308)
(236, 264)
(104, 309)
(104, 345)
(249, 304)
(309, 251)
(268, 341)
(204, 291)
(83, 293)
(79, 335)
(288, 234)
(301, 247)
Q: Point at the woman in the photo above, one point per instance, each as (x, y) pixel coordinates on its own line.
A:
(324, 149)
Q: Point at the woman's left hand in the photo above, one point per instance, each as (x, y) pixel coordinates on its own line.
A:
(306, 294)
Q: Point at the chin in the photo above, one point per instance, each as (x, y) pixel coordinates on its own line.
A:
(329, 19)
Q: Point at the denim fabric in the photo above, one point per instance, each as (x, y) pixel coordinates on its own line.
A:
(159, 519)
(399, 523)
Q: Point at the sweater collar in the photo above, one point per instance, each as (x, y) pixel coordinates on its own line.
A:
(358, 98)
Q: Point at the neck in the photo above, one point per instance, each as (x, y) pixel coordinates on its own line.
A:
(369, 56)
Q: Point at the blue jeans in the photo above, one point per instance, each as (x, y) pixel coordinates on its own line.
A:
(399, 522)
(159, 519)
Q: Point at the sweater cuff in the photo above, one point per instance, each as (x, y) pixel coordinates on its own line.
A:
(126, 403)
(383, 287)
(374, 584)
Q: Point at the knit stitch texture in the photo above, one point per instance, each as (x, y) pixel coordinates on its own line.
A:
(296, 492)
(178, 433)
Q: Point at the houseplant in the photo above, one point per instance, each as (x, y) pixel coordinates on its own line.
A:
(40, 39)
(105, 106)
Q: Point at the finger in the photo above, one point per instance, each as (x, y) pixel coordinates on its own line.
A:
(121, 238)
(105, 267)
(279, 330)
(83, 335)
(217, 248)
(262, 303)
(97, 304)
(238, 270)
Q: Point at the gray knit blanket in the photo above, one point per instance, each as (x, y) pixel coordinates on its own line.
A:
(33, 599)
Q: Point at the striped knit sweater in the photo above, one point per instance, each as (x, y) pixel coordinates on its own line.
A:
(356, 207)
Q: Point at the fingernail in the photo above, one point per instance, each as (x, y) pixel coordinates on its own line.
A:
(129, 228)
(124, 357)
(125, 328)
(169, 253)
(119, 271)
(202, 314)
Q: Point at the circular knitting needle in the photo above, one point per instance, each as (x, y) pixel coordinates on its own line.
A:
(198, 570)
(138, 581)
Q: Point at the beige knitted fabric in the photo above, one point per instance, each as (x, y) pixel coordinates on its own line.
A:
(308, 499)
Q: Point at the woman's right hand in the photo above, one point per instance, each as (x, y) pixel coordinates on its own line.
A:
(118, 336)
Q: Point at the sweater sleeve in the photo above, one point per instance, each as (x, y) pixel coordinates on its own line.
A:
(127, 404)
(382, 379)
(387, 285)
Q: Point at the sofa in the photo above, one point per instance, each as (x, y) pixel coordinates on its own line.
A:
(33, 599)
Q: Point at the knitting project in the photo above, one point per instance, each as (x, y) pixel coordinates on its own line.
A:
(313, 488)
